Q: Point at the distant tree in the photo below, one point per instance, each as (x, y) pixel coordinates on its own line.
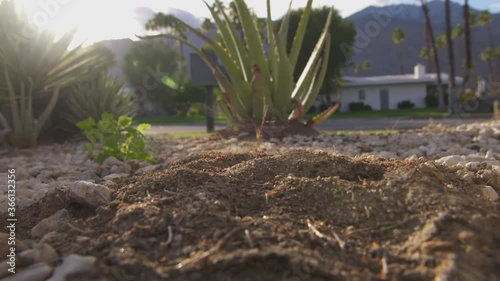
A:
(441, 40)
(146, 64)
(365, 65)
(207, 25)
(451, 57)
(485, 19)
(398, 37)
(488, 56)
(425, 8)
(457, 34)
(104, 52)
(342, 40)
(166, 24)
(426, 53)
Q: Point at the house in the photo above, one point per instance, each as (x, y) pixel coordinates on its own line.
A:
(385, 92)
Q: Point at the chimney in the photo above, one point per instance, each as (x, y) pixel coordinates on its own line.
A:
(419, 71)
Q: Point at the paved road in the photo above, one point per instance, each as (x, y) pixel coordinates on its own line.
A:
(396, 123)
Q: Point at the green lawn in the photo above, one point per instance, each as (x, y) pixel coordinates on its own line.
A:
(418, 112)
(164, 120)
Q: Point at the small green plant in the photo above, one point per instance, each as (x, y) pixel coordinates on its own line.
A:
(359, 106)
(117, 138)
(406, 104)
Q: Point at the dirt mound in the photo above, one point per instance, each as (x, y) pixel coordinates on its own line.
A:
(299, 215)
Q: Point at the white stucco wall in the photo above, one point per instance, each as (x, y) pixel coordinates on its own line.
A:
(397, 93)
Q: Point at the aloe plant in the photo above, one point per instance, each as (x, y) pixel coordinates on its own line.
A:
(35, 68)
(257, 86)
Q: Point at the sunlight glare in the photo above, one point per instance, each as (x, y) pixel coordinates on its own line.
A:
(94, 20)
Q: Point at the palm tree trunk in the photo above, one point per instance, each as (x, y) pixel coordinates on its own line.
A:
(441, 105)
(401, 66)
(468, 53)
(428, 47)
(493, 59)
(451, 59)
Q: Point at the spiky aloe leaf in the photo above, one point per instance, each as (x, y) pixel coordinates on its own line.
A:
(261, 94)
(324, 37)
(320, 117)
(311, 95)
(298, 112)
(242, 90)
(284, 84)
(231, 40)
(299, 34)
(272, 57)
(253, 39)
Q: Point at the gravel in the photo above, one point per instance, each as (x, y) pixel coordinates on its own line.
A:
(473, 149)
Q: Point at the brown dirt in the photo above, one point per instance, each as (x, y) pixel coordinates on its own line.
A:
(299, 215)
(268, 131)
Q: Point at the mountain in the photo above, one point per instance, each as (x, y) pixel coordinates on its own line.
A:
(374, 38)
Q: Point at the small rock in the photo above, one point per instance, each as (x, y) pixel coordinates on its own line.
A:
(491, 178)
(114, 176)
(489, 155)
(73, 264)
(148, 168)
(27, 258)
(472, 166)
(469, 178)
(36, 272)
(46, 254)
(52, 223)
(4, 246)
(111, 161)
(243, 135)
(121, 169)
(89, 194)
(39, 194)
(23, 202)
(387, 155)
(451, 160)
(25, 192)
(90, 176)
(489, 193)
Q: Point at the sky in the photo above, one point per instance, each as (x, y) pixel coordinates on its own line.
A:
(98, 20)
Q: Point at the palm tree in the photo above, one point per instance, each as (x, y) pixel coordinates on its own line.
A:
(488, 55)
(485, 19)
(207, 26)
(425, 8)
(456, 34)
(428, 51)
(451, 57)
(398, 36)
(168, 25)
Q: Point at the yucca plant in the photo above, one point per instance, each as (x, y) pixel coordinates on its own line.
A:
(258, 88)
(97, 96)
(34, 68)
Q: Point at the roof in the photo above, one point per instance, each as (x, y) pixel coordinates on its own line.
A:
(428, 79)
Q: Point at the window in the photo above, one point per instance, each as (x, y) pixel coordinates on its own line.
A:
(361, 95)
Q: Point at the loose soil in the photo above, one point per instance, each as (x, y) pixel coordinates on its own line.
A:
(299, 215)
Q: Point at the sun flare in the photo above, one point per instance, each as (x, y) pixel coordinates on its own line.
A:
(93, 20)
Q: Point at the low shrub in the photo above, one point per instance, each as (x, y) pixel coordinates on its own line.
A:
(117, 138)
(359, 106)
(406, 104)
(467, 95)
